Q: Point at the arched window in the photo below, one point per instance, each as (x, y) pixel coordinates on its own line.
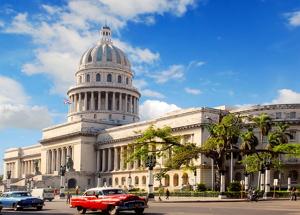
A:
(98, 77)
(119, 79)
(167, 180)
(185, 179)
(109, 78)
(110, 182)
(144, 180)
(108, 53)
(116, 181)
(136, 180)
(123, 180)
(127, 81)
(293, 174)
(90, 57)
(104, 182)
(175, 180)
(88, 79)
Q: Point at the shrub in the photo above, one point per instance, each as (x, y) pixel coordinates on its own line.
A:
(234, 186)
(201, 187)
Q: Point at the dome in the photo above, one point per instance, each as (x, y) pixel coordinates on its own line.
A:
(104, 53)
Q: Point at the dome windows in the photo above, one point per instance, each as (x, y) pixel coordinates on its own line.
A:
(108, 53)
(119, 79)
(88, 78)
(109, 78)
(80, 79)
(127, 81)
(118, 57)
(99, 54)
(98, 77)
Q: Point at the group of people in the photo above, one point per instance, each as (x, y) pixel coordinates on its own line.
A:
(293, 194)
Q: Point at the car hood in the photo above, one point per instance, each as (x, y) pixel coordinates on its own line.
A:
(26, 198)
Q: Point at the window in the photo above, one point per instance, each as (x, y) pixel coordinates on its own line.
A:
(90, 57)
(127, 81)
(167, 180)
(99, 54)
(292, 115)
(117, 55)
(116, 181)
(119, 79)
(89, 181)
(98, 77)
(124, 117)
(278, 115)
(95, 116)
(136, 180)
(110, 117)
(108, 53)
(88, 79)
(144, 180)
(175, 180)
(123, 179)
(109, 78)
(293, 135)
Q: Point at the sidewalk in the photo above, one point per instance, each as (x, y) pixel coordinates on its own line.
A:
(178, 199)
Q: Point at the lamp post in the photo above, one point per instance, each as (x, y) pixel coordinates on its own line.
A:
(28, 184)
(62, 173)
(98, 179)
(8, 176)
(195, 178)
(150, 163)
(129, 182)
(246, 181)
(31, 184)
(268, 164)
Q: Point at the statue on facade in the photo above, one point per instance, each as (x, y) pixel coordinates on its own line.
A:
(62, 170)
(69, 164)
(36, 167)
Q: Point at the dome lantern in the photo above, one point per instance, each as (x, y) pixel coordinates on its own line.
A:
(105, 34)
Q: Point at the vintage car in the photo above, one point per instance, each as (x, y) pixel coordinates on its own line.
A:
(19, 200)
(108, 200)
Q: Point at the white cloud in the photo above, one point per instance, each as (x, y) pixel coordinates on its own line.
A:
(24, 116)
(294, 18)
(192, 91)
(287, 96)
(15, 111)
(152, 93)
(140, 83)
(154, 108)
(174, 72)
(1, 23)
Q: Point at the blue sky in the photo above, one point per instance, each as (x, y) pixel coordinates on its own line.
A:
(185, 53)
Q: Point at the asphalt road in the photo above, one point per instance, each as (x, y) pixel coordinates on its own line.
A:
(199, 208)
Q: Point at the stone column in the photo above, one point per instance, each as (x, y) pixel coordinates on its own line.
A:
(113, 102)
(106, 100)
(116, 158)
(52, 161)
(103, 160)
(120, 102)
(79, 102)
(122, 157)
(98, 161)
(130, 104)
(126, 103)
(109, 160)
(99, 100)
(85, 101)
(92, 101)
(134, 106)
(73, 103)
(137, 106)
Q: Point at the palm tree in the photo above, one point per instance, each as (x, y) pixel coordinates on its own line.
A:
(264, 123)
(250, 142)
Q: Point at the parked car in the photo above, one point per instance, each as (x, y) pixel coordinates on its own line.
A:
(20, 199)
(43, 193)
(108, 200)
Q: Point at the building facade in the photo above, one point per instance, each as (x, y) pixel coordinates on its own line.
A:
(103, 119)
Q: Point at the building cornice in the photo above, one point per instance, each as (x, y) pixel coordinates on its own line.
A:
(266, 107)
(71, 135)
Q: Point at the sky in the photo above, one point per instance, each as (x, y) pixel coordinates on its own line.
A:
(184, 53)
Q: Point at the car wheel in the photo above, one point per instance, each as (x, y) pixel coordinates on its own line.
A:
(139, 211)
(81, 210)
(38, 208)
(112, 210)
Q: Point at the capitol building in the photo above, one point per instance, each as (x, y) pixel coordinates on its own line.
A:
(103, 119)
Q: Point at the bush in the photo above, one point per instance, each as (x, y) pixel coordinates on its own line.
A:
(201, 187)
(234, 187)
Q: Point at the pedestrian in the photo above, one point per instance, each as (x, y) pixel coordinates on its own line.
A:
(167, 193)
(77, 191)
(69, 197)
(293, 194)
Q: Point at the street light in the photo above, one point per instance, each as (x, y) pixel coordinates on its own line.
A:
(129, 181)
(8, 176)
(150, 163)
(98, 179)
(62, 173)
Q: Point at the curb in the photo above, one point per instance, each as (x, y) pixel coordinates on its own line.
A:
(214, 201)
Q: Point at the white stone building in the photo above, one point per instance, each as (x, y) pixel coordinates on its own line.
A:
(102, 120)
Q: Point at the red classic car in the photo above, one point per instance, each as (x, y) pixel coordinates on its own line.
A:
(108, 200)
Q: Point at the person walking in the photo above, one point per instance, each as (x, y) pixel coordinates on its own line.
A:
(167, 193)
(293, 194)
(69, 197)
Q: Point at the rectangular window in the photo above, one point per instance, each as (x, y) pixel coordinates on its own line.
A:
(292, 115)
(293, 136)
(89, 181)
(278, 115)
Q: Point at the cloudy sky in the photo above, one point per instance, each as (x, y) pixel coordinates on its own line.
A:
(185, 53)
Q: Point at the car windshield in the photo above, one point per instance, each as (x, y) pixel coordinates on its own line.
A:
(113, 192)
(20, 194)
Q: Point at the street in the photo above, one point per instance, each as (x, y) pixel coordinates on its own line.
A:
(203, 208)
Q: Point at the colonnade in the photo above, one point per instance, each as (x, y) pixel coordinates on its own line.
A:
(11, 167)
(114, 159)
(27, 166)
(104, 100)
(57, 157)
